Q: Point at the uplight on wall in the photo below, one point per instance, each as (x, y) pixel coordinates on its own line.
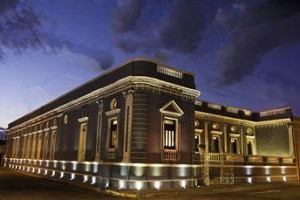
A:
(61, 174)
(95, 168)
(87, 167)
(267, 170)
(55, 163)
(94, 180)
(249, 179)
(157, 185)
(183, 183)
(282, 169)
(284, 179)
(72, 176)
(53, 173)
(63, 165)
(249, 170)
(138, 185)
(85, 178)
(74, 165)
(269, 179)
(121, 184)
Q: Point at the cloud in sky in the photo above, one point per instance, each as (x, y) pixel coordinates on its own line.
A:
(253, 31)
(223, 42)
(21, 29)
(183, 28)
(18, 26)
(178, 28)
(125, 17)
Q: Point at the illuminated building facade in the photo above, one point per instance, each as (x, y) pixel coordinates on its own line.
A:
(141, 126)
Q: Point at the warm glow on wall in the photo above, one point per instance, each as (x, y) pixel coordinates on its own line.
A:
(157, 184)
(138, 185)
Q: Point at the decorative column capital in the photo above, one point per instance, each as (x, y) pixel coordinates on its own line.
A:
(129, 93)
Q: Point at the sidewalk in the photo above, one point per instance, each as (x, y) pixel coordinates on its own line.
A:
(178, 192)
(203, 190)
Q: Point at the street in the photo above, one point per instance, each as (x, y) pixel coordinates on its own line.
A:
(14, 185)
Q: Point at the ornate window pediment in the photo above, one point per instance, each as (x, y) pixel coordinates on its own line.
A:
(171, 109)
(171, 113)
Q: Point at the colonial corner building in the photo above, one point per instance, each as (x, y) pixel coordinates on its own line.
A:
(141, 126)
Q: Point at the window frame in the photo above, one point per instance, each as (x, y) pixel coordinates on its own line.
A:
(176, 143)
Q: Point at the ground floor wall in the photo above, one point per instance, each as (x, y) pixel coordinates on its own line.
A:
(140, 176)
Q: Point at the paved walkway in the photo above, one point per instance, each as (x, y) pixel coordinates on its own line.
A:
(16, 185)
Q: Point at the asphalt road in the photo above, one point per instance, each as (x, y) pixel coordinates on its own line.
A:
(17, 186)
(14, 185)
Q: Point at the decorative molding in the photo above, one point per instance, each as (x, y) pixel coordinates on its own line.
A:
(234, 135)
(113, 112)
(172, 103)
(250, 137)
(225, 119)
(136, 82)
(216, 132)
(46, 129)
(198, 130)
(83, 119)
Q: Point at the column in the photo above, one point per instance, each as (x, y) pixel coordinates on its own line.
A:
(206, 136)
(99, 131)
(225, 138)
(206, 161)
(254, 141)
(128, 125)
(242, 141)
(291, 142)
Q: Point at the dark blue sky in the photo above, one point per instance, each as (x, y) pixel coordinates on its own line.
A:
(244, 54)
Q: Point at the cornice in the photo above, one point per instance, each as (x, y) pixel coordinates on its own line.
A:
(136, 82)
(83, 119)
(225, 119)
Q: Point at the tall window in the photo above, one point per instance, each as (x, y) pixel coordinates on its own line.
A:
(169, 134)
(197, 142)
(33, 147)
(113, 133)
(39, 146)
(112, 139)
(28, 149)
(215, 144)
(249, 148)
(233, 145)
(24, 146)
(82, 142)
(16, 143)
(52, 145)
(45, 146)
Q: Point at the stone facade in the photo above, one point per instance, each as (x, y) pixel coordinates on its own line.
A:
(140, 126)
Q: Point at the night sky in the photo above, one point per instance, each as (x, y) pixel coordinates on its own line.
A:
(244, 54)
